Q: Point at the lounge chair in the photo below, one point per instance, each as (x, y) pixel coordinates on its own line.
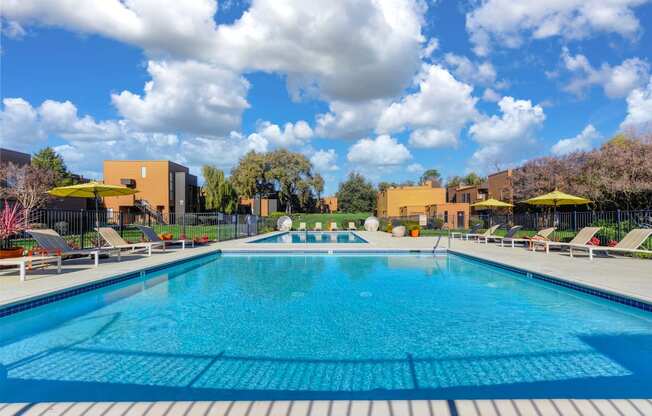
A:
(50, 241)
(581, 239)
(333, 227)
(114, 240)
(151, 235)
(510, 234)
(543, 234)
(629, 244)
(352, 227)
(490, 231)
(473, 230)
(317, 226)
(302, 226)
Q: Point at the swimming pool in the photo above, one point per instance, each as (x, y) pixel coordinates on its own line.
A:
(313, 237)
(241, 326)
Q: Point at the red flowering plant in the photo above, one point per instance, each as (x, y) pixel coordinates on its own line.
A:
(595, 241)
(12, 222)
(612, 243)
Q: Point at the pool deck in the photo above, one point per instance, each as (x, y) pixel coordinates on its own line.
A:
(619, 275)
(561, 407)
(625, 276)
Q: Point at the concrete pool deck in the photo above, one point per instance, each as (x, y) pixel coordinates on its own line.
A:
(620, 275)
(539, 407)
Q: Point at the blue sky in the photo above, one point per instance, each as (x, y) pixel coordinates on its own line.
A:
(387, 88)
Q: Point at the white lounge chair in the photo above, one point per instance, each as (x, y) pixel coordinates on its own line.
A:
(317, 226)
(302, 226)
(629, 244)
(473, 230)
(543, 234)
(581, 239)
(151, 235)
(333, 226)
(114, 240)
(510, 234)
(54, 244)
(490, 231)
(352, 227)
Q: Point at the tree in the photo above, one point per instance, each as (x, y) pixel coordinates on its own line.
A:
(356, 194)
(48, 159)
(473, 179)
(220, 194)
(283, 173)
(318, 186)
(431, 175)
(28, 185)
(454, 181)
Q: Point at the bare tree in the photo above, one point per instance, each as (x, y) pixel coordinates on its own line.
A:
(28, 185)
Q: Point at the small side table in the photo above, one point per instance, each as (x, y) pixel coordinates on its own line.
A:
(23, 262)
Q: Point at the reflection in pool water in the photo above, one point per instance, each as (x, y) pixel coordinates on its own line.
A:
(312, 237)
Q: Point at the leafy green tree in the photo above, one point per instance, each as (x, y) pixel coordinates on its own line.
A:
(356, 194)
(474, 179)
(289, 170)
(432, 175)
(49, 160)
(220, 194)
(249, 177)
(454, 181)
(318, 186)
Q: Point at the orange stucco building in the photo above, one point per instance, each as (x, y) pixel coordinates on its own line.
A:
(329, 203)
(165, 187)
(500, 186)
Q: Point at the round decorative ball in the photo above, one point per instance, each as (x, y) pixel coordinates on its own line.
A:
(371, 224)
(284, 223)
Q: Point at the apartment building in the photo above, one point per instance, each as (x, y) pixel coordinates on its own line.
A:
(258, 206)
(468, 194)
(329, 203)
(500, 186)
(15, 157)
(164, 187)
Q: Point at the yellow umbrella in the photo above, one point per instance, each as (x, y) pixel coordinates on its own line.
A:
(490, 204)
(555, 199)
(94, 190)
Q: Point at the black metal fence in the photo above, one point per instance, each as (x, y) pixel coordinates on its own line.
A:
(78, 227)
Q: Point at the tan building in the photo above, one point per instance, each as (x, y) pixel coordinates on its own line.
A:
(258, 206)
(469, 194)
(329, 203)
(455, 215)
(501, 186)
(390, 201)
(164, 187)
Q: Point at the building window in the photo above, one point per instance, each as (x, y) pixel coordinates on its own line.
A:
(143, 171)
(445, 217)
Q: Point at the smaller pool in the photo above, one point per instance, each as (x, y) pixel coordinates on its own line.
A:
(313, 237)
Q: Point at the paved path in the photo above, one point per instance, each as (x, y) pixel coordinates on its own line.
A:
(563, 407)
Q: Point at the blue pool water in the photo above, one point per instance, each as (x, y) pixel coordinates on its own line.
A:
(302, 237)
(326, 327)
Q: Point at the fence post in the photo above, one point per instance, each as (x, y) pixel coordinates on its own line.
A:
(83, 227)
(618, 219)
(574, 220)
(121, 223)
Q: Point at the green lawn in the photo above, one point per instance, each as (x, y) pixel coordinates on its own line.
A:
(341, 218)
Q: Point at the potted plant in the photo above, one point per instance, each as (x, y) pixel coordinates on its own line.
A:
(12, 222)
(415, 230)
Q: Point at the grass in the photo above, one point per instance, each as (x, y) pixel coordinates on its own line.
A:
(341, 218)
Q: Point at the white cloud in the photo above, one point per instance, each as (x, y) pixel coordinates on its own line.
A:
(639, 107)
(291, 134)
(508, 23)
(582, 142)
(617, 81)
(470, 72)
(201, 150)
(324, 160)
(415, 168)
(349, 120)
(188, 97)
(503, 139)
(491, 95)
(381, 151)
(19, 124)
(440, 108)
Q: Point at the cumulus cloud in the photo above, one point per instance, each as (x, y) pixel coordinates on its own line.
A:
(617, 81)
(324, 160)
(186, 96)
(582, 142)
(291, 135)
(381, 151)
(502, 139)
(350, 120)
(24, 125)
(505, 23)
(436, 112)
(200, 150)
(470, 72)
(639, 107)
(491, 95)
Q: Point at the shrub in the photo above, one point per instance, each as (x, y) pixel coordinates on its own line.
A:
(438, 223)
(61, 227)
(389, 227)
